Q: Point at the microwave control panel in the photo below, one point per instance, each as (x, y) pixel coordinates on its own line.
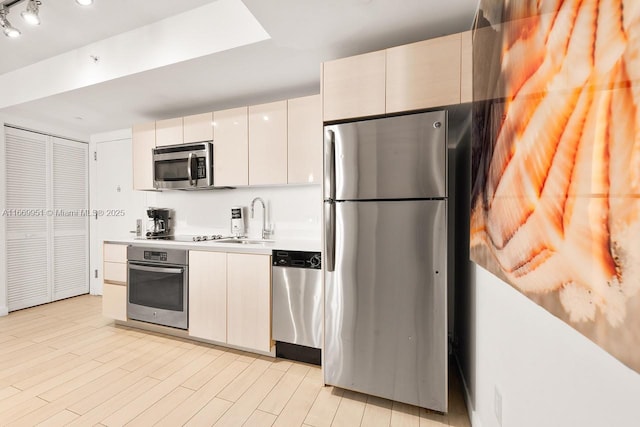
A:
(201, 169)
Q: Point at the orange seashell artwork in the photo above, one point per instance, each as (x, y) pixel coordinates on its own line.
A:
(555, 207)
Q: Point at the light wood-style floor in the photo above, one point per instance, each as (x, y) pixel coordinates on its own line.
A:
(65, 364)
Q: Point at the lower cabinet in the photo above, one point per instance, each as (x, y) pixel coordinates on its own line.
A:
(114, 285)
(249, 301)
(208, 295)
(230, 298)
(114, 301)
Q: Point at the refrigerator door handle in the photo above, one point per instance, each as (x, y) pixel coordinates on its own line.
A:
(330, 235)
(330, 165)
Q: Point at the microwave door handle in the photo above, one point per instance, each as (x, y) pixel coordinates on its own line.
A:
(156, 269)
(189, 172)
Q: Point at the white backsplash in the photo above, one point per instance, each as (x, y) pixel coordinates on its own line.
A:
(294, 212)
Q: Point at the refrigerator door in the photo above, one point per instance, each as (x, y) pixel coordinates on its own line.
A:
(385, 301)
(400, 157)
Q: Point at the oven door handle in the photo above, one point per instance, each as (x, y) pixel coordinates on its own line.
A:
(178, 270)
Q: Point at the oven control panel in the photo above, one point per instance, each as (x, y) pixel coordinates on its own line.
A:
(155, 256)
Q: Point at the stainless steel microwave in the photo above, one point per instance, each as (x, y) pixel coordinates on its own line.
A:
(183, 166)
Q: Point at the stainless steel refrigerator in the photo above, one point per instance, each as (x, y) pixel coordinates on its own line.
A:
(385, 214)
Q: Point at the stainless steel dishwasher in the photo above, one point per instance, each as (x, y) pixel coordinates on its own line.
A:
(297, 305)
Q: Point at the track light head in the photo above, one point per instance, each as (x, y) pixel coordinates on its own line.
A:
(8, 29)
(30, 15)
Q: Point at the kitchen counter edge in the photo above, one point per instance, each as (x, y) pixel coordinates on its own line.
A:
(212, 246)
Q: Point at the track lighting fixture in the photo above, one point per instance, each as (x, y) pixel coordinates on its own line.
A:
(30, 14)
(8, 29)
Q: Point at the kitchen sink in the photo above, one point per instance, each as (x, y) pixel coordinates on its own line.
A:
(245, 241)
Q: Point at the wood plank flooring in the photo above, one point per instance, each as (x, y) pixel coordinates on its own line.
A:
(64, 364)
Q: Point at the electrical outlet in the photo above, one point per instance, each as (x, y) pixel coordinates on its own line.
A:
(497, 405)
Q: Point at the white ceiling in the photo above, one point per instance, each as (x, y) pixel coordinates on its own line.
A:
(303, 34)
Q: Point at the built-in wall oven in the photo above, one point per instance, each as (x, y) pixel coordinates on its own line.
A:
(158, 290)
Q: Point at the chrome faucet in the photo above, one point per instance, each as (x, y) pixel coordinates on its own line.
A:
(265, 232)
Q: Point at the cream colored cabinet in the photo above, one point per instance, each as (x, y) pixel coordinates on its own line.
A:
(466, 68)
(143, 141)
(268, 143)
(249, 301)
(198, 128)
(423, 75)
(231, 147)
(114, 285)
(415, 76)
(169, 132)
(354, 86)
(208, 295)
(304, 122)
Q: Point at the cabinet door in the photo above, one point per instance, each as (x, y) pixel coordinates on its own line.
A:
(143, 142)
(424, 74)
(304, 140)
(198, 128)
(231, 147)
(114, 301)
(466, 77)
(354, 86)
(169, 132)
(268, 143)
(114, 252)
(208, 295)
(249, 301)
(115, 272)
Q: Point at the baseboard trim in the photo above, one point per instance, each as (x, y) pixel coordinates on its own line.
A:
(473, 414)
(4, 311)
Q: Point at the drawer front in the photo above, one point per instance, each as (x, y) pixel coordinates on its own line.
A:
(114, 301)
(115, 253)
(115, 272)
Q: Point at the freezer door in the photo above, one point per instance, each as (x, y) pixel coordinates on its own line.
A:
(400, 157)
(385, 302)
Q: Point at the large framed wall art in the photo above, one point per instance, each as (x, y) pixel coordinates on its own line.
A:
(555, 207)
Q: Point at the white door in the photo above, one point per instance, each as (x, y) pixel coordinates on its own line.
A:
(70, 233)
(46, 210)
(117, 204)
(28, 251)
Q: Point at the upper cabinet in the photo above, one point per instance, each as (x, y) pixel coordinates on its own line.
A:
(143, 141)
(268, 143)
(354, 86)
(466, 66)
(169, 132)
(411, 77)
(424, 74)
(198, 128)
(231, 147)
(304, 124)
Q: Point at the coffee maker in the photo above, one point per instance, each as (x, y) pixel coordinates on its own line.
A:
(159, 223)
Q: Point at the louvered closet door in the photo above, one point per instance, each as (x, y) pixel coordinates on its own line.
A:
(70, 222)
(26, 221)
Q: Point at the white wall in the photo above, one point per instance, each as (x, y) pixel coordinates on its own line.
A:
(293, 210)
(547, 373)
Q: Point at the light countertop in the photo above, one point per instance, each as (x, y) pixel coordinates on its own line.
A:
(213, 246)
